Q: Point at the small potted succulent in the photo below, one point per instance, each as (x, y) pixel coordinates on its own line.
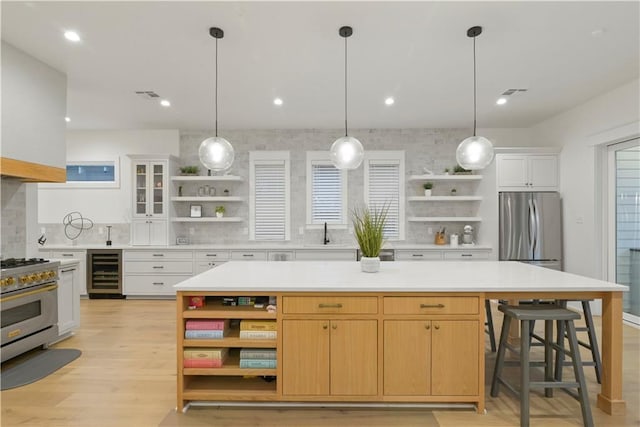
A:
(427, 188)
(454, 191)
(459, 170)
(189, 170)
(220, 210)
(446, 171)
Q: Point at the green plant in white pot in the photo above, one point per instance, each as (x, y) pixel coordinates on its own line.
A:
(368, 227)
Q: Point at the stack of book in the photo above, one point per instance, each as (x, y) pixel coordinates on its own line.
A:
(258, 329)
(258, 358)
(204, 357)
(209, 329)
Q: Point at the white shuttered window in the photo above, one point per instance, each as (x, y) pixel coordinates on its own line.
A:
(384, 185)
(326, 190)
(270, 194)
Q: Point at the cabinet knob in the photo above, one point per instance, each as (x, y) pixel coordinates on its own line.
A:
(427, 326)
(325, 326)
(334, 326)
(437, 326)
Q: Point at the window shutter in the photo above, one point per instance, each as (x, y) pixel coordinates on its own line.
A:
(270, 201)
(384, 188)
(326, 194)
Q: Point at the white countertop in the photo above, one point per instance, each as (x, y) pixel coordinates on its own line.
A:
(263, 246)
(396, 276)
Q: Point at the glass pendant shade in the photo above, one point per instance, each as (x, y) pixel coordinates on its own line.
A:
(346, 153)
(216, 153)
(475, 152)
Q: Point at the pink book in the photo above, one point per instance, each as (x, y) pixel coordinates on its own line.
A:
(203, 363)
(207, 324)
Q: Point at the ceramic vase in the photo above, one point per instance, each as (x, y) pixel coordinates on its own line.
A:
(219, 214)
(370, 264)
(427, 193)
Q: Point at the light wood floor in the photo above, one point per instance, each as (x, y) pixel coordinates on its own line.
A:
(126, 376)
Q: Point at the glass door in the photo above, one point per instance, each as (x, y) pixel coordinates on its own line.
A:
(624, 227)
(142, 183)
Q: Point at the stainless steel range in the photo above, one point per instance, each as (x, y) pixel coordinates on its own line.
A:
(28, 304)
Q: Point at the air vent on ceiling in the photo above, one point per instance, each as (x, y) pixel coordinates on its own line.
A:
(510, 92)
(147, 94)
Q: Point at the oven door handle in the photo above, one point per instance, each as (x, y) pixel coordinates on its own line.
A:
(34, 292)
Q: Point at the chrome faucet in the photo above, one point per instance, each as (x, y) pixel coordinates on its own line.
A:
(325, 240)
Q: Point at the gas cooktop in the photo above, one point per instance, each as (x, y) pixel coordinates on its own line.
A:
(21, 262)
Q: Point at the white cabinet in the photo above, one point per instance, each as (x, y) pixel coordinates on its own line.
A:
(450, 254)
(78, 255)
(527, 172)
(149, 273)
(325, 255)
(149, 211)
(206, 260)
(69, 283)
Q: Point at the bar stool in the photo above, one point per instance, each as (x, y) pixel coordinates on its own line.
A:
(526, 315)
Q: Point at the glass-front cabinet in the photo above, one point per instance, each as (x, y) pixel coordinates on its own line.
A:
(150, 178)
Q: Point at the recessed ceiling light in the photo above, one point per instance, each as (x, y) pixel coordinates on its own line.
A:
(277, 101)
(165, 103)
(501, 101)
(67, 119)
(598, 32)
(389, 101)
(72, 36)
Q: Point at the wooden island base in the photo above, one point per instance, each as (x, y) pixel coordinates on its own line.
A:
(344, 347)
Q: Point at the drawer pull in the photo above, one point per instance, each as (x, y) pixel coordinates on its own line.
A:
(67, 270)
(325, 326)
(158, 283)
(466, 254)
(437, 326)
(322, 305)
(432, 306)
(67, 254)
(212, 255)
(158, 254)
(158, 266)
(427, 326)
(417, 255)
(334, 326)
(247, 255)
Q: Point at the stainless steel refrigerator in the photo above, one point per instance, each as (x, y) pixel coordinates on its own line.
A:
(531, 228)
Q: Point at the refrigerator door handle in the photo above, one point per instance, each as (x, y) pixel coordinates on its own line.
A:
(532, 230)
(536, 245)
(509, 232)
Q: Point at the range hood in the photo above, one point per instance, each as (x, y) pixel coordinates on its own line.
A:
(31, 172)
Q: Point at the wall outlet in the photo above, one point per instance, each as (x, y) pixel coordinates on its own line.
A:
(192, 231)
(430, 230)
(43, 230)
(100, 230)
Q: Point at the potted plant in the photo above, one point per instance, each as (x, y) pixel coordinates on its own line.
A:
(220, 210)
(368, 227)
(446, 171)
(189, 170)
(454, 191)
(427, 188)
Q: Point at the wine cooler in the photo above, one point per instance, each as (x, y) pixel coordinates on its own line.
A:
(104, 273)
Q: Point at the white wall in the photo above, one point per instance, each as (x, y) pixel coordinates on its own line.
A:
(574, 130)
(104, 205)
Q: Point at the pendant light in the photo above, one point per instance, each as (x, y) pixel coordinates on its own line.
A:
(475, 152)
(346, 152)
(216, 153)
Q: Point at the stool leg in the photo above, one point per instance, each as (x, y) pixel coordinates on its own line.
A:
(559, 353)
(502, 348)
(524, 373)
(574, 347)
(548, 355)
(593, 340)
(492, 335)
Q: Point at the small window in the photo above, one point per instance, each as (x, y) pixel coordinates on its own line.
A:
(269, 195)
(326, 190)
(90, 174)
(384, 184)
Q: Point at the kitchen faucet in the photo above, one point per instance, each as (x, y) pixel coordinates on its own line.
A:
(325, 240)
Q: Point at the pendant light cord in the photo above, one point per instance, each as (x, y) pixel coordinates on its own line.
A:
(216, 87)
(345, 87)
(474, 86)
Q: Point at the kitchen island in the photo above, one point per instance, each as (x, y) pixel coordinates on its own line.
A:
(412, 333)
